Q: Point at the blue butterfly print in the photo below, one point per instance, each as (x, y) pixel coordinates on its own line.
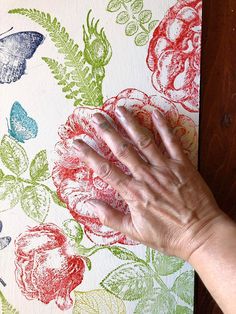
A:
(5, 241)
(22, 127)
(14, 50)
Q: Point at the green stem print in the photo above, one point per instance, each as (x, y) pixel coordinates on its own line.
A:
(33, 195)
(5, 307)
(138, 21)
(82, 73)
(142, 281)
(137, 279)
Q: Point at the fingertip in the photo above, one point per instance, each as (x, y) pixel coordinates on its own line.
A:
(97, 206)
(157, 115)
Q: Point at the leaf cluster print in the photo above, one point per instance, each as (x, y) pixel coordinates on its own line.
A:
(97, 301)
(6, 308)
(76, 75)
(143, 281)
(32, 194)
(137, 20)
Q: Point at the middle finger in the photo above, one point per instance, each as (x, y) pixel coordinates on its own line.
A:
(122, 149)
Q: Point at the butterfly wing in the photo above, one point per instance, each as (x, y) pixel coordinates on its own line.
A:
(14, 50)
(22, 126)
(4, 242)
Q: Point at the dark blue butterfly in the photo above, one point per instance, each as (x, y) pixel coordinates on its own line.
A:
(14, 50)
(22, 127)
(4, 242)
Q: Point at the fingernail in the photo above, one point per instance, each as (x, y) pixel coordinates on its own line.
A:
(157, 114)
(98, 118)
(77, 143)
(120, 112)
(94, 204)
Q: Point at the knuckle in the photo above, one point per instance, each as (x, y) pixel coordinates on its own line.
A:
(123, 150)
(145, 141)
(104, 170)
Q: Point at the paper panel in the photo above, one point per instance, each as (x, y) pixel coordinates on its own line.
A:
(61, 62)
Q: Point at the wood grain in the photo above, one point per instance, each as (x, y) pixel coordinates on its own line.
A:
(218, 115)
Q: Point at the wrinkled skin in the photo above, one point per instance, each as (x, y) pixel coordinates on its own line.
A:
(171, 208)
(76, 183)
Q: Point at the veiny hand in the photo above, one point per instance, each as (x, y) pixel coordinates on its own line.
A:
(171, 208)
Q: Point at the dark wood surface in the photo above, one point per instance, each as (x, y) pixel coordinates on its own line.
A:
(218, 115)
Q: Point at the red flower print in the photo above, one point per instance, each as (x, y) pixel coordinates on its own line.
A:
(174, 54)
(76, 183)
(46, 267)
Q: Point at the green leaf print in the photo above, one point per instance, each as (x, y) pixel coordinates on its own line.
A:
(1, 174)
(35, 202)
(39, 170)
(129, 282)
(145, 16)
(97, 301)
(158, 302)
(61, 74)
(114, 5)
(184, 287)
(123, 253)
(131, 28)
(141, 39)
(152, 25)
(10, 192)
(56, 199)
(136, 6)
(137, 21)
(73, 230)
(13, 156)
(122, 17)
(80, 72)
(6, 308)
(183, 310)
(166, 265)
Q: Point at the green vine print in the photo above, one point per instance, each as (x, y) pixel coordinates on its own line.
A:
(6, 308)
(143, 281)
(137, 20)
(33, 195)
(138, 279)
(80, 79)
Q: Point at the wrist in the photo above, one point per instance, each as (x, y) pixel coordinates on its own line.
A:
(218, 238)
(215, 263)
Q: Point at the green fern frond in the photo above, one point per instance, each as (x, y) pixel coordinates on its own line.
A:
(6, 307)
(63, 77)
(90, 92)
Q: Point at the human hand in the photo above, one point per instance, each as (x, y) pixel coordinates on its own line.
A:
(171, 207)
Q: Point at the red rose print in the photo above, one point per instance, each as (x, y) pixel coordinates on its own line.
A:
(76, 183)
(46, 267)
(174, 54)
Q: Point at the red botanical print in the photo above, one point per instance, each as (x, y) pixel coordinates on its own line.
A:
(76, 183)
(46, 267)
(174, 54)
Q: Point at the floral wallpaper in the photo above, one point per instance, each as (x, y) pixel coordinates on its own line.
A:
(60, 62)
